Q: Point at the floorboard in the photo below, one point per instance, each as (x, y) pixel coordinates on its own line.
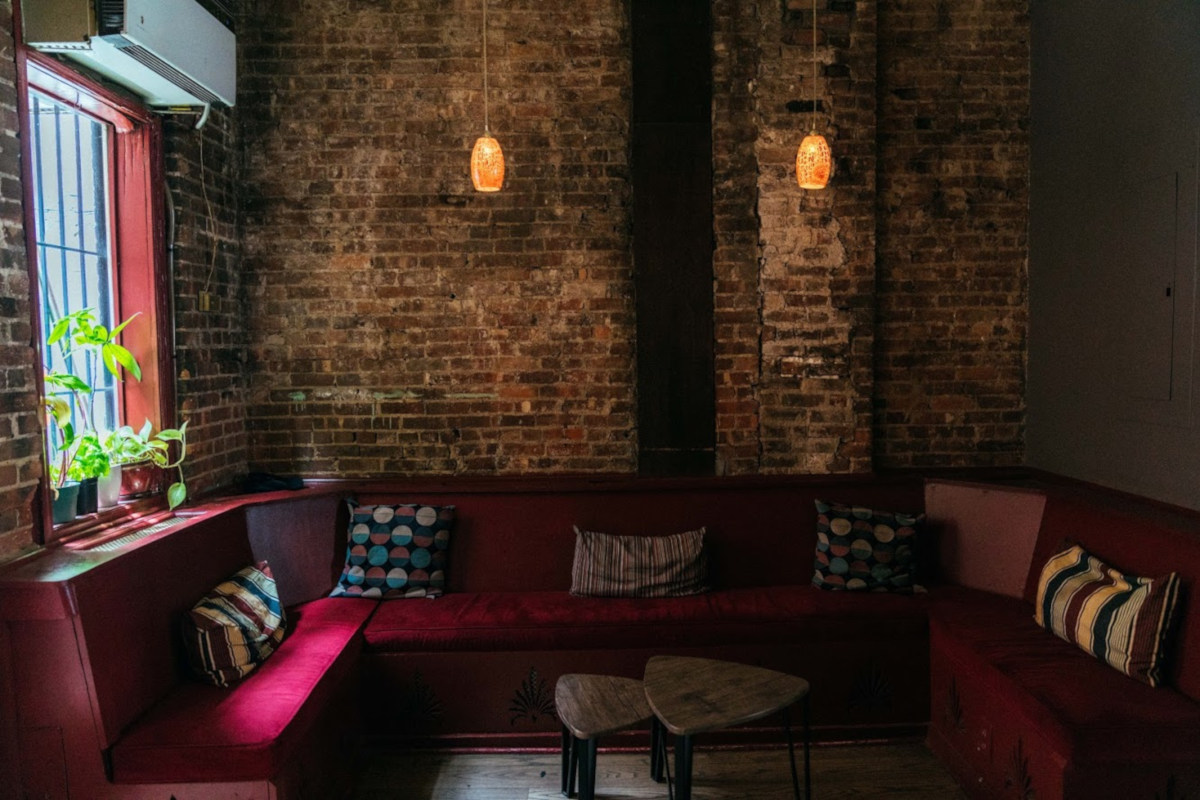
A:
(896, 771)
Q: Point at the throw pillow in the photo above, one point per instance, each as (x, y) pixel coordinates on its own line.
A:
(233, 628)
(1123, 620)
(865, 550)
(396, 551)
(639, 566)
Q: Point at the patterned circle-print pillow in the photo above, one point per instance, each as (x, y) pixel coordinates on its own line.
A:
(864, 550)
(396, 551)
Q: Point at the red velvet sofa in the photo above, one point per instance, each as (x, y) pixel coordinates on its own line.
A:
(1017, 712)
(114, 716)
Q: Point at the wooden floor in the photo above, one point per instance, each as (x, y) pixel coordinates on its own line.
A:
(887, 772)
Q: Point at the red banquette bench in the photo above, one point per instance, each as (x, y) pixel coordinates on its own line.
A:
(104, 709)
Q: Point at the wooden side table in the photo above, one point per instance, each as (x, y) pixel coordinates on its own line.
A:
(695, 695)
(591, 706)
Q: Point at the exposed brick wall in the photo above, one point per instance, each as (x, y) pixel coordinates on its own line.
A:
(736, 298)
(20, 429)
(952, 227)
(210, 338)
(401, 322)
(370, 313)
(817, 269)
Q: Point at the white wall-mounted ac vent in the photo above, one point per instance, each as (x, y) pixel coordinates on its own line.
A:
(169, 52)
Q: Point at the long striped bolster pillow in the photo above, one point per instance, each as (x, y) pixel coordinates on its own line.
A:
(235, 626)
(639, 566)
(1121, 619)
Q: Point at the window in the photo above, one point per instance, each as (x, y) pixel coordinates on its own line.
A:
(92, 170)
(70, 171)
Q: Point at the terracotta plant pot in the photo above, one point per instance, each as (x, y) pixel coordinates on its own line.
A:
(139, 480)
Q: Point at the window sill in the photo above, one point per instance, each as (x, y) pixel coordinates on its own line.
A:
(111, 522)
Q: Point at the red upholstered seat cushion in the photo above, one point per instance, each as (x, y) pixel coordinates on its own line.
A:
(205, 733)
(560, 621)
(1090, 711)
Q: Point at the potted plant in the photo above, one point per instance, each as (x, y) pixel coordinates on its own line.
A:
(91, 462)
(127, 447)
(58, 421)
(86, 454)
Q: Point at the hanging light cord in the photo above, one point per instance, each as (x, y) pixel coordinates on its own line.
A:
(486, 129)
(814, 89)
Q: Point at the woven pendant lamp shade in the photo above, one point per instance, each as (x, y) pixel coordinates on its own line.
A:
(813, 161)
(487, 165)
(813, 158)
(487, 159)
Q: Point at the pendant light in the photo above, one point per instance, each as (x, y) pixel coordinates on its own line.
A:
(487, 160)
(814, 157)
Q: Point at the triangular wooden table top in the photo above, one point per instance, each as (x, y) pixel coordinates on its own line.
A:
(592, 706)
(694, 695)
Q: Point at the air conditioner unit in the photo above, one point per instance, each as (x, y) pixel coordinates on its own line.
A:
(169, 52)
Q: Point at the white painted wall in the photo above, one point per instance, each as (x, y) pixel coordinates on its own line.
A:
(1113, 224)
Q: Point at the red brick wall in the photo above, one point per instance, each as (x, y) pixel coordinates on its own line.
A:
(400, 322)
(817, 248)
(953, 221)
(370, 313)
(20, 428)
(210, 307)
(736, 297)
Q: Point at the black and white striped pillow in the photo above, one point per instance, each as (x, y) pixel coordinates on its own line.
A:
(639, 566)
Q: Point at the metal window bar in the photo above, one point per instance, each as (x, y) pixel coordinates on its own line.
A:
(71, 202)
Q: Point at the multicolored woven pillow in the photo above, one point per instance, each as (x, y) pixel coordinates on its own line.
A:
(1123, 620)
(396, 551)
(864, 550)
(639, 566)
(233, 628)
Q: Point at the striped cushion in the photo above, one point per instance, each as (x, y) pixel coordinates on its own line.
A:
(639, 566)
(235, 627)
(1121, 619)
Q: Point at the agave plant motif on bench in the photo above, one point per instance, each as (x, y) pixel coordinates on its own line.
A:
(1018, 778)
(954, 708)
(532, 700)
(420, 706)
(872, 691)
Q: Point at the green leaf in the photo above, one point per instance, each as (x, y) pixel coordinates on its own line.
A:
(114, 355)
(176, 494)
(60, 328)
(65, 380)
(171, 435)
(59, 409)
(117, 330)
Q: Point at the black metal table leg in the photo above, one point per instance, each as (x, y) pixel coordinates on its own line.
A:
(683, 767)
(565, 774)
(787, 729)
(656, 734)
(574, 768)
(807, 738)
(586, 756)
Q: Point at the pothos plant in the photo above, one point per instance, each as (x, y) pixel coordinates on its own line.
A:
(82, 452)
(127, 446)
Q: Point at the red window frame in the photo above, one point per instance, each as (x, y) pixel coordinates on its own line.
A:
(137, 186)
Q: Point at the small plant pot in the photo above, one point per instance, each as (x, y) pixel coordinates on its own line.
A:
(65, 503)
(139, 480)
(109, 488)
(88, 494)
